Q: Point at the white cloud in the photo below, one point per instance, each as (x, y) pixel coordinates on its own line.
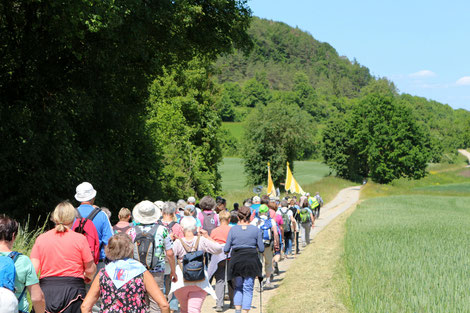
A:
(463, 81)
(423, 74)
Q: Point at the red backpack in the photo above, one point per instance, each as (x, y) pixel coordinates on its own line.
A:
(86, 227)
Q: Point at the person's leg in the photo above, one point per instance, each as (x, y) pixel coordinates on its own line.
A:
(238, 292)
(297, 247)
(96, 307)
(154, 308)
(268, 263)
(182, 296)
(307, 232)
(220, 283)
(196, 297)
(302, 233)
(289, 244)
(230, 292)
(248, 284)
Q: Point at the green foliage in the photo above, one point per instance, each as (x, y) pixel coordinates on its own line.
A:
(380, 139)
(275, 133)
(183, 121)
(74, 78)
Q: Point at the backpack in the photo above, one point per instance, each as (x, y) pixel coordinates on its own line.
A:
(304, 215)
(208, 221)
(144, 246)
(169, 227)
(286, 220)
(192, 265)
(86, 227)
(8, 272)
(118, 230)
(265, 226)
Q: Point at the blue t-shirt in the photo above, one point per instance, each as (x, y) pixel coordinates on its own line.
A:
(102, 224)
(244, 236)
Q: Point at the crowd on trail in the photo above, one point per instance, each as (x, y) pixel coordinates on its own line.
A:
(161, 257)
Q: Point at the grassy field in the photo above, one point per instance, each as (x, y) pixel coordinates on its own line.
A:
(235, 128)
(406, 246)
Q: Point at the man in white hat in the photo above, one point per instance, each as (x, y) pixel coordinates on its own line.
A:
(85, 194)
(146, 214)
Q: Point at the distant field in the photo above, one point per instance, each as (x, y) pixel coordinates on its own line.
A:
(233, 176)
(235, 128)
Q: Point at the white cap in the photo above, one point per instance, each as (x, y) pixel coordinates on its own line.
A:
(191, 200)
(146, 212)
(256, 199)
(85, 192)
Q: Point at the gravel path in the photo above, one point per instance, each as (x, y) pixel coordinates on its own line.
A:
(345, 199)
(465, 153)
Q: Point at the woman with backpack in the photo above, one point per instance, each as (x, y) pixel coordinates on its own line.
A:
(124, 282)
(64, 261)
(193, 284)
(244, 241)
(289, 226)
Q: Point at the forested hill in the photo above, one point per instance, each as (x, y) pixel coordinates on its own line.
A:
(281, 52)
(289, 65)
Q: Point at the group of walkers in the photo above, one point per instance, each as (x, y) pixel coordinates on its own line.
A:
(161, 257)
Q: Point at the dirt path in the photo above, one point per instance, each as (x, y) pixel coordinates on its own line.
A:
(466, 154)
(345, 199)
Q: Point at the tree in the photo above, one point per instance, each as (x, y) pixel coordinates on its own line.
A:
(74, 79)
(380, 139)
(275, 133)
(184, 122)
(256, 91)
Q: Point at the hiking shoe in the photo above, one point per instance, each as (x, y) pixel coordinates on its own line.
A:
(276, 269)
(219, 309)
(268, 286)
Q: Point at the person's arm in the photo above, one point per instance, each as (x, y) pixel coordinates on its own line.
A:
(170, 256)
(209, 245)
(228, 243)
(276, 237)
(154, 291)
(36, 265)
(37, 298)
(293, 223)
(90, 269)
(92, 296)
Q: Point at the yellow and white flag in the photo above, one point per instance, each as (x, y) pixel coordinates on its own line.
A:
(291, 184)
(271, 189)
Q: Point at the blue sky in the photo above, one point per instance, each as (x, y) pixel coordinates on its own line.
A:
(422, 46)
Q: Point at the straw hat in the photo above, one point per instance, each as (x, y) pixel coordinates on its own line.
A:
(146, 212)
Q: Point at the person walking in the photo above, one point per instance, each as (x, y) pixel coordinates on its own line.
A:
(270, 236)
(85, 194)
(124, 283)
(191, 294)
(218, 262)
(26, 280)
(244, 243)
(306, 223)
(146, 215)
(294, 208)
(64, 261)
(124, 225)
(320, 204)
(289, 226)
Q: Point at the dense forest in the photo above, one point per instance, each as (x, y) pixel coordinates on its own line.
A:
(131, 98)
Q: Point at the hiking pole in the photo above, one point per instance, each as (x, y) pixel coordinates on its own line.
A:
(226, 283)
(260, 279)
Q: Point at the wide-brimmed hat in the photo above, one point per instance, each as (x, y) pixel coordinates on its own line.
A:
(191, 200)
(146, 212)
(160, 204)
(85, 192)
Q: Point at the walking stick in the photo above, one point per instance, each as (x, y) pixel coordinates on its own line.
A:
(260, 279)
(226, 283)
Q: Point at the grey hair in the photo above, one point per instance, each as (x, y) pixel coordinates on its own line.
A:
(169, 208)
(284, 203)
(188, 223)
(181, 204)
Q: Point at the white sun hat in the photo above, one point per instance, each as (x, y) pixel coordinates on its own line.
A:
(146, 212)
(8, 301)
(85, 192)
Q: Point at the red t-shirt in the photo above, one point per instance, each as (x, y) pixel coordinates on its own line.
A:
(62, 254)
(220, 233)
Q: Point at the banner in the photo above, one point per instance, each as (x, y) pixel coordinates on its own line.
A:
(271, 190)
(291, 184)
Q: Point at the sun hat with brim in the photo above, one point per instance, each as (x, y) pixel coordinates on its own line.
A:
(146, 212)
(263, 208)
(8, 301)
(85, 192)
(159, 204)
(256, 199)
(191, 200)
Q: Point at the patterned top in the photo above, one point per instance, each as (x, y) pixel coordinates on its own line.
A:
(130, 298)
(162, 243)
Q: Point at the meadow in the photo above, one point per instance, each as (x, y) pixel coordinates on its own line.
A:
(406, 245)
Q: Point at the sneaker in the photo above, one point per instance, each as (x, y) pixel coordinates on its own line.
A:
(219, 309)
(268, 286)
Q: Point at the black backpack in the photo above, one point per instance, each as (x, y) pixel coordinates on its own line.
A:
(144, 247)
(169, 227)
(192, 265)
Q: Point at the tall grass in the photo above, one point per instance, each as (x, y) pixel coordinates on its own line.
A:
(27, 236)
